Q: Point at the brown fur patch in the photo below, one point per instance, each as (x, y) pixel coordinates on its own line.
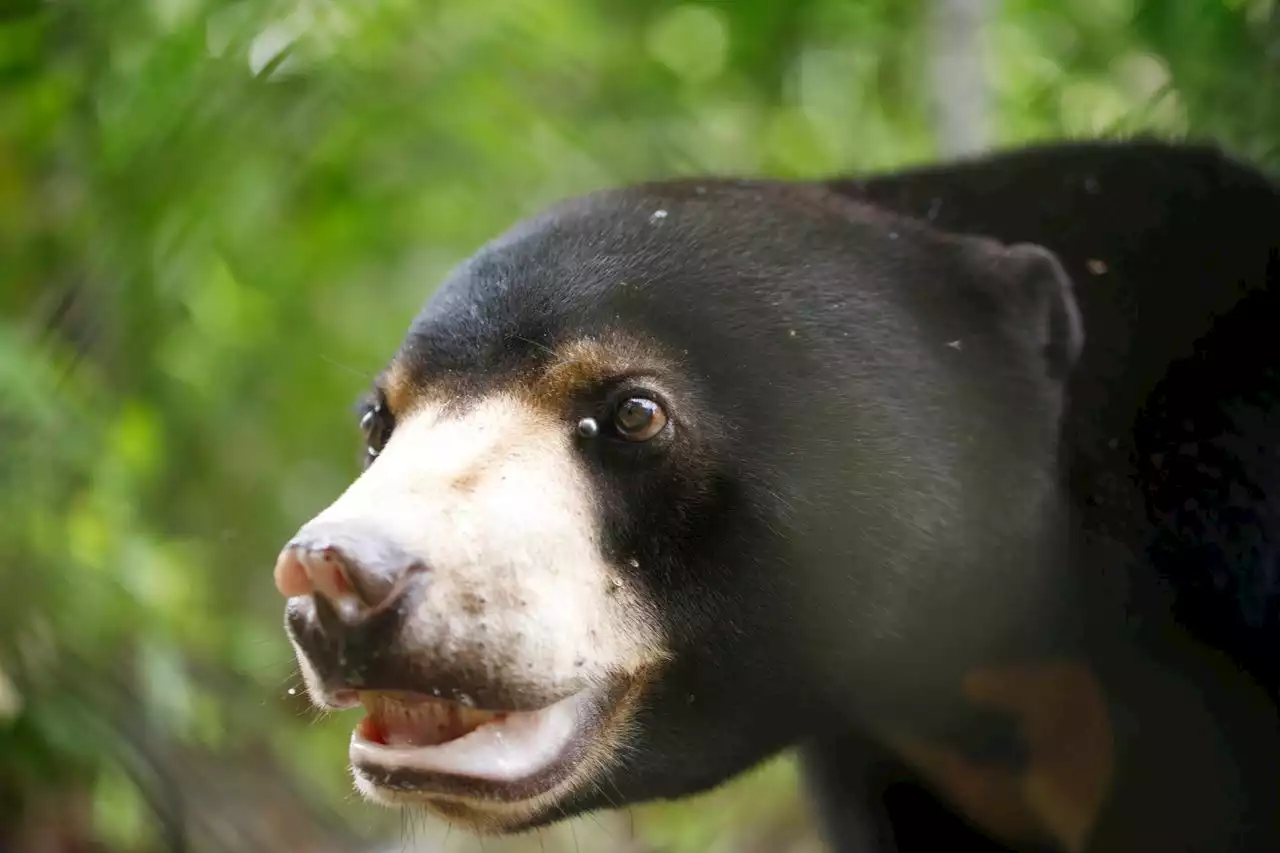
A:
(575, 368)
(582, 364)
(402, 392)
(1062, 711)
(990, 797)
(1062, 714)
(469, 480)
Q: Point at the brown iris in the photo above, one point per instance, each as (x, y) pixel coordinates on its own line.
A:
(639, 419)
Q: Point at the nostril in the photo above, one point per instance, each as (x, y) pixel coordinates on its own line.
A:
(349, 571)
(328, 571)
(323, 572)
(333, 618)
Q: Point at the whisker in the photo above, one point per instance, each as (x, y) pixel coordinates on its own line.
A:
(368, 377)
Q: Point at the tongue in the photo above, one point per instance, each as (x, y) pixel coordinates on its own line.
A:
(510, 748)
(419, 723)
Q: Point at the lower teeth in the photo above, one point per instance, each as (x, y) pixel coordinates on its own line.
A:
(425, 722)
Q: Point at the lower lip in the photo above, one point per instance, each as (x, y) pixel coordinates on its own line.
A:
(520, 751)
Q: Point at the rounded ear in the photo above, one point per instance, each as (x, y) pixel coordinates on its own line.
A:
(1047, 295)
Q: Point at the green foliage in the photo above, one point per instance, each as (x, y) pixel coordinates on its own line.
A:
(217, 217)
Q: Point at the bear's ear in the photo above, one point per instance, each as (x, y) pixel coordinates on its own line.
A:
(1045, 297)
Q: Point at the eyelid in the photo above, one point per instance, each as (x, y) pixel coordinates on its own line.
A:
(375, 399)
(639, 384)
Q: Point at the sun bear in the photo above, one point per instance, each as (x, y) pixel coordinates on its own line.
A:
(962, 480)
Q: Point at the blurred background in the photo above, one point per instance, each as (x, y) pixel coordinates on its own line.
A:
(216, 221)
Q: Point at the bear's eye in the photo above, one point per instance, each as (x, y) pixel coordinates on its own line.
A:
(639, 419)
(376, 425)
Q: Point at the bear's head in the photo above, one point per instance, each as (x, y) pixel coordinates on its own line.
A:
(669, 478)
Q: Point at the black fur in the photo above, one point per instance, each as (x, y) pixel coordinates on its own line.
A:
(986, 412)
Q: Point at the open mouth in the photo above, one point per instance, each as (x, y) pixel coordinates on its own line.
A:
(417, 745)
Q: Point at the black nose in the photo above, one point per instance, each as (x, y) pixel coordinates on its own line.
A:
(350, 569)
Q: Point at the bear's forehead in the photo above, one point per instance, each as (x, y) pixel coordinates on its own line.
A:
(577, 292)
(665, 262)
(716, 280)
